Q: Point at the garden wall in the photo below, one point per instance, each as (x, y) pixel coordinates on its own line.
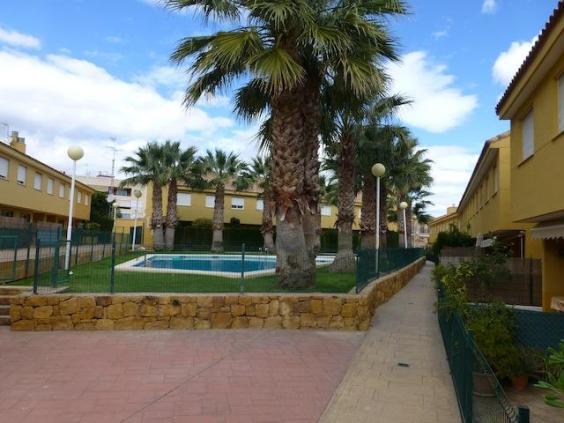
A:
(201, 311)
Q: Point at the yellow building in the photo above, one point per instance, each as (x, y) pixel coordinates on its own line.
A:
(443, 223)
(534, 103)
(246, 206)
(32, 192)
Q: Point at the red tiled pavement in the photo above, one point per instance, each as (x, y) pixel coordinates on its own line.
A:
(170, 376)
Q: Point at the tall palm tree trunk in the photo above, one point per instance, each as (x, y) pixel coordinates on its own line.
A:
(293, 263)
(217, 224)
(345, 260)
(157, 217)
(171, 217)
(267, 227)
(408, 216)
(312, 217)
(383, 214)
(368, 213)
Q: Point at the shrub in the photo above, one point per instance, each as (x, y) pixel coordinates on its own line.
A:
(554, 382)
(451, 238)
(202, 223)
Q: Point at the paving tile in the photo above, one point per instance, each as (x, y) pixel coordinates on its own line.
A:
(171, 376)
(376, 388)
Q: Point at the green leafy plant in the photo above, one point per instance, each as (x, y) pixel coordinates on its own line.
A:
(451, 238)
(554, 382)
(493, 327)
(518, 361)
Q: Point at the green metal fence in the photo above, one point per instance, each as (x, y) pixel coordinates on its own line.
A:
(372, 263)
(480, 395)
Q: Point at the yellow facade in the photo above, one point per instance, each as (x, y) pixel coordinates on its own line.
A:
(192, 205)
(534, 103)
(32, 191)
(442, 223)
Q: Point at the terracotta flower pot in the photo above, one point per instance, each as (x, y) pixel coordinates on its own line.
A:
(519, 382)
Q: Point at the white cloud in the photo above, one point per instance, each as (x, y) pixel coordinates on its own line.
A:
(58, 100)
(508, 62)
(489, 6)
(114, 39)
(170, 77)
(451, 172)
(437, 104)
(440, 34)
(18, 39)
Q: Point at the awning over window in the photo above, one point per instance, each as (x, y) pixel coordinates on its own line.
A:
(548, 231)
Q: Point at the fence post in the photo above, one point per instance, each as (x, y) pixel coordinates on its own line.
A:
(103, 249)
(242, 284)
(76, 252)
(36, 266)
(112, 265)
(91, 248)
(15, 261)
(28, 253)
(55, 269)
(523, 414)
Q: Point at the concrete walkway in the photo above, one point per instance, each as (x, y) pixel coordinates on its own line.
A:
(400, 373)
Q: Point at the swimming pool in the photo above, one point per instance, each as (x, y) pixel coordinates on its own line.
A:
(225, 265)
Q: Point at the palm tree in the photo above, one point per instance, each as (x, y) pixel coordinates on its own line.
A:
(219, 168)
(180, 167)
(377, 144)
(147, 167)
(411, 175)
(259, 175)
(287, 48)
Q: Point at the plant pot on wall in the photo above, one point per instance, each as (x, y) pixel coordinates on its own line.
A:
(483, 384)
(519, 382)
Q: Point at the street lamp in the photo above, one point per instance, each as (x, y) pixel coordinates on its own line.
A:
(378, 170)
(137, 194)
(403, 206)
(75, 153)
(115, 206)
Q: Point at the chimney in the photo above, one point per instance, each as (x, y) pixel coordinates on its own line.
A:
(17, 142)
(451, 209)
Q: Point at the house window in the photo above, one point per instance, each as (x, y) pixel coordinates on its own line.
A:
(528, 136)
(37, 182)
(561, 103)
(3, 168)
(50, 184)
(62, 190)
(85, 199)
(238, 203)
(210, 201)
(21, 174)
(325, 210)
(79, 197)
(260, 204)
(184, 199)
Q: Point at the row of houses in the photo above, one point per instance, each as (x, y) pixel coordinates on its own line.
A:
(516, 191)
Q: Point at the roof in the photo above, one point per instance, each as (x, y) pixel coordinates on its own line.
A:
(483, 154)
(444, 217)
(62, 175)
(548, 27)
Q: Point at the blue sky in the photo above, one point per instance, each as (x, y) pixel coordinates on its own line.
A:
(84, 71)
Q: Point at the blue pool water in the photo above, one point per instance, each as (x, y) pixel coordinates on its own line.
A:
(209, 263)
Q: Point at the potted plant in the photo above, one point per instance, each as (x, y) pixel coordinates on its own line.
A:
(517, 365)
(492, 326)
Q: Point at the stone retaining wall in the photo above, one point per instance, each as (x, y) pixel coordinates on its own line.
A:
(201, 311)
